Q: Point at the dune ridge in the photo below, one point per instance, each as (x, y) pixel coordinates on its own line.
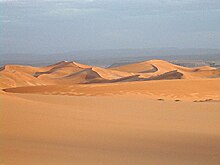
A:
(69, 73)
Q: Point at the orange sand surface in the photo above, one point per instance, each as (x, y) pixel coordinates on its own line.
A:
(187, 90)
(129, 129)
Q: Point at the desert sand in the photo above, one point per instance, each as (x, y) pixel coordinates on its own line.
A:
(151, 112)
(68, 73)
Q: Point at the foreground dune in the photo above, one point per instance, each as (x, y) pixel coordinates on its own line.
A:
(54, 130)
(191, 90)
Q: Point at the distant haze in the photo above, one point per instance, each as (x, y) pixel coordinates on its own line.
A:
(58, 26)
(107, 57)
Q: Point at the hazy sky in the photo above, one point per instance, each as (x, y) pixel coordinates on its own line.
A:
(47, 26)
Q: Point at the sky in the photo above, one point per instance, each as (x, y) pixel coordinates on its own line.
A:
(53, 26)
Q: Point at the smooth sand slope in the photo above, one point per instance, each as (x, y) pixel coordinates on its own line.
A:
(50, 130)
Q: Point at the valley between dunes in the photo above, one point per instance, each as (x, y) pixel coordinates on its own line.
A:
(150, 112)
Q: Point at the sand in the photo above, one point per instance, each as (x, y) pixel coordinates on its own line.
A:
(74, 114)
(38, 129)
(183, 90)
(70, 73)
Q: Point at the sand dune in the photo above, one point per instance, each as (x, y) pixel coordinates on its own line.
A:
(15, 75)
(153, 68)
(191, 90)
(62, 72)
(69, 73)
(60, 69)
(197, 84)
